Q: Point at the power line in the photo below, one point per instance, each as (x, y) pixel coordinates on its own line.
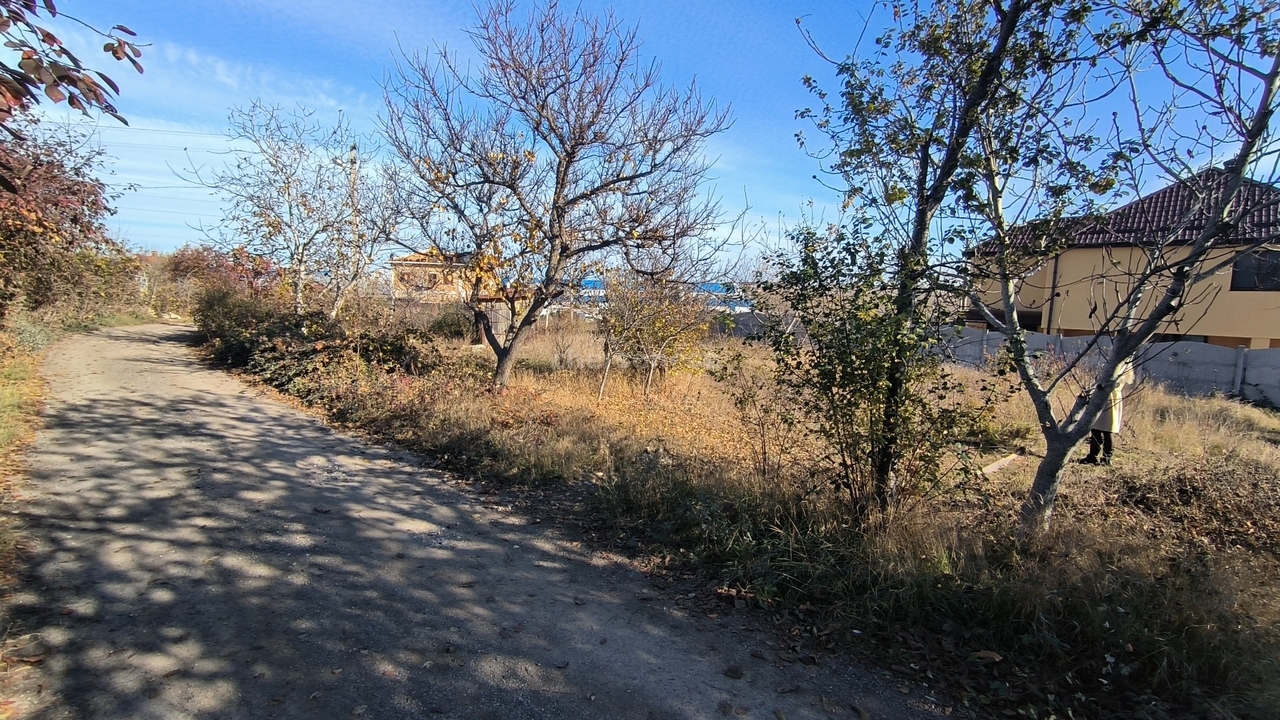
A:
(159, 147)
(167, 212)
(130, 128)
(175, 198)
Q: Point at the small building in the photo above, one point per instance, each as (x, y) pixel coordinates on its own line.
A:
(1066, 292)
(431, 278)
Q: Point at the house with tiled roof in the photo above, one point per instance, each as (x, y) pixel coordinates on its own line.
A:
(1089, 266)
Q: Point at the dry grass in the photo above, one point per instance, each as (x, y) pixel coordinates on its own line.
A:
(1155, 596)
(20, 389)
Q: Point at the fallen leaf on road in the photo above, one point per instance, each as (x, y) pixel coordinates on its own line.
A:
(322, 511)
(733, 671)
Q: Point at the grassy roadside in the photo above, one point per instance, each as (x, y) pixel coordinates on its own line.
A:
(20, 391)
(1154, 597)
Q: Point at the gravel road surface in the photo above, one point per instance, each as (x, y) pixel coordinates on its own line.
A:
(202, 550)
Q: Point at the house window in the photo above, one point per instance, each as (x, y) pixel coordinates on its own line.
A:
(1259, 270)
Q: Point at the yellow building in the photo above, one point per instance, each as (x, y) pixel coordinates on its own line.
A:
(1073, 291)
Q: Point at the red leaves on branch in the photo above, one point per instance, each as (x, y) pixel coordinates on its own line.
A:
(49, 67)
(54, 210)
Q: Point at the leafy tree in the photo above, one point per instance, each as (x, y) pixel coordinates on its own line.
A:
(975, 120)
(839, 345)
(1211, 91)
(56, 213)
(207, 265)
(45, 66)
(655, 320)
(174, 281)
(562, 146)
(906, 115)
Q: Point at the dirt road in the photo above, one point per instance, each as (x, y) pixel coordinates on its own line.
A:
(204, 551)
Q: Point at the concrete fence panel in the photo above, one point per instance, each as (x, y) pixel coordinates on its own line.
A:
(1188, 368)
(1191, 368)
(1261, 376)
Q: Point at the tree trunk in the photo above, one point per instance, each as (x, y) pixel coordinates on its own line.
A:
(604, 378)
(507, 355)
(338, 298)
(506, 361)
(298, 274)
(886, 453)
(1037, 510)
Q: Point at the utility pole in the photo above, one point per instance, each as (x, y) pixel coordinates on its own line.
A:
(347, 261)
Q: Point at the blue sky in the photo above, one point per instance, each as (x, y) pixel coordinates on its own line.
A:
(206, 56)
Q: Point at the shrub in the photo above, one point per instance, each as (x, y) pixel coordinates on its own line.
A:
(238, 324)
(1152, 597)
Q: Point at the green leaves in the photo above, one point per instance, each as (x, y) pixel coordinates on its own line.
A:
(866, 379)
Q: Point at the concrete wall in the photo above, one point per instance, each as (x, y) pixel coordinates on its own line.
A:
(1189, 368)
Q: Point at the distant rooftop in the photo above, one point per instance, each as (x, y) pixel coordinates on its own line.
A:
(1175, 214)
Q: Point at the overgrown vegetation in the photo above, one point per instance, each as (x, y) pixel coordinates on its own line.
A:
(833, 476)
(1151, 597)
(862, 377)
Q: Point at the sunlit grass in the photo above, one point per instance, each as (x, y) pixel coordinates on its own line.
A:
(1159, 577)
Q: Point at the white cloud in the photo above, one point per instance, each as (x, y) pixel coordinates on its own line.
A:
(177, 115)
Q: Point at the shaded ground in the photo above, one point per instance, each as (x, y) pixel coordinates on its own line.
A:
(203, 551)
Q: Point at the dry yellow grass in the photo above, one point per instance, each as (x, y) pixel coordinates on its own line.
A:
(1158, 580)
(20, 389)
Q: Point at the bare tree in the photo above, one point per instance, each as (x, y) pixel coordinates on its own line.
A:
(288, 190)
(1207, 130)
(564, 145)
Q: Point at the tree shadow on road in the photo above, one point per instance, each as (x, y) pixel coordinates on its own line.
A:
(203, 554)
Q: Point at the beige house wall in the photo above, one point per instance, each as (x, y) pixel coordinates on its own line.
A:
(1085, 278)
(428, 282)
